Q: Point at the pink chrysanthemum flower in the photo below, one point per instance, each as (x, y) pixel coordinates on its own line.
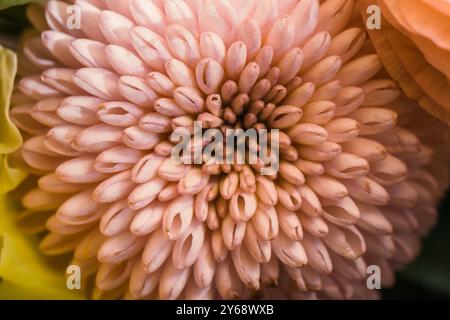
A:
(357, 183)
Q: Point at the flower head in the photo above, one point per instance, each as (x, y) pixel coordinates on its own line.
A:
(97, 106)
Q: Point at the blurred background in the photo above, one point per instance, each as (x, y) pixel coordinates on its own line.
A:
(12, 21)
(429, 276)
(426, 278)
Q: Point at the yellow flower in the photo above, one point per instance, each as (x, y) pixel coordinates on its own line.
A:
(24, 273)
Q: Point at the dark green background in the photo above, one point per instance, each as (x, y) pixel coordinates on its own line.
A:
(13, 20)
(429, 276)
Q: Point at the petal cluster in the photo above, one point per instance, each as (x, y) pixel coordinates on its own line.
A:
(359, 172)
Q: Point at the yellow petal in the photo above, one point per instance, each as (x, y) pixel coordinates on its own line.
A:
(24, 273)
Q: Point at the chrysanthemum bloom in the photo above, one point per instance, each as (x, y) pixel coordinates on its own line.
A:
(414, 45)
(355, 186)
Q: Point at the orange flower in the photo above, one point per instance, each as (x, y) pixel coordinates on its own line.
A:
(415, 48)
